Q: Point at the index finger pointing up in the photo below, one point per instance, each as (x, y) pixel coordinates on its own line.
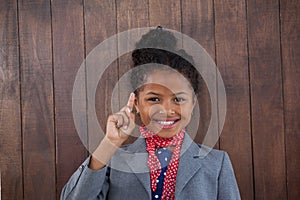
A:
(130, 102)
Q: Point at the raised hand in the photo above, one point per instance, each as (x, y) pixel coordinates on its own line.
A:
(119, 127)
(121, 124)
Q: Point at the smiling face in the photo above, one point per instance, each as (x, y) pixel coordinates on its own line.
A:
(165, 102)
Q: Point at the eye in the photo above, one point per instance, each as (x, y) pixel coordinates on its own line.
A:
(179, 99)
(155, 99)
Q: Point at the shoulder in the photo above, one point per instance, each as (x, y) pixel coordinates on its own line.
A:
(202, 151)
(213, 159)
(211, 153)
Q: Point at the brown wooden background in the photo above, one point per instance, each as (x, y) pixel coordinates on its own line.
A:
(256, 45)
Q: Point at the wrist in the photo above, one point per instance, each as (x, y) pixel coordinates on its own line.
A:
(115, 143)
(103, 153)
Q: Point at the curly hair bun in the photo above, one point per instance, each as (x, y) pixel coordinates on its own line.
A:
(158, 38)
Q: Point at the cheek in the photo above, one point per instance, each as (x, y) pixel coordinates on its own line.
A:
(145, 112)
(186, 111)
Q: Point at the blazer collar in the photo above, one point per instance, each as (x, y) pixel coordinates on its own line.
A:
(189, 163)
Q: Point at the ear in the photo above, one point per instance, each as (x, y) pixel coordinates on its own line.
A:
(194, 101)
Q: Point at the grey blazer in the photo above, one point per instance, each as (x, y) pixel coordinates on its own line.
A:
(127, 176)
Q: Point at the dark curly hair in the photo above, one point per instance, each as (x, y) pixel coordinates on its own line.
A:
(159, 40)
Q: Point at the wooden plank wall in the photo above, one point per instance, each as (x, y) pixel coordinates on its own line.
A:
(256, 45)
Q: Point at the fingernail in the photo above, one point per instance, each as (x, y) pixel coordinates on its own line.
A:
(125, 127)
(128, 110)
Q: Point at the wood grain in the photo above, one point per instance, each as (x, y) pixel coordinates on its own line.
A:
(68, 54)
(10, 114)
(266, 99)
(198, 23)
(165, 13)
(232, 58)
(37, 99)
(100, 24)
(290, 41)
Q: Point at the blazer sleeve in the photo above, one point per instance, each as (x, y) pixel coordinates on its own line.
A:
(86, 183)
(227, 188)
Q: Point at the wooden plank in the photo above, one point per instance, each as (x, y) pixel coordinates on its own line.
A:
(290, 40)
(266, 99)
(165, 13)
(129, 15)
(232, 58)
(37, 99)
(10, 115)
(198, 23)
(100, 24)
(68, 54)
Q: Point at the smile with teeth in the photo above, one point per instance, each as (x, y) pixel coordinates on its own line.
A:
(166, 122)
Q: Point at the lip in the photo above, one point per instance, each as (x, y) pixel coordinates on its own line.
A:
(166, 123)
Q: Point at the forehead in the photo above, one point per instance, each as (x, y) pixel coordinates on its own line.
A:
(169, 79)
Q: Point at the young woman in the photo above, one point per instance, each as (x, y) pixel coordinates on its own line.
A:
(164, 162)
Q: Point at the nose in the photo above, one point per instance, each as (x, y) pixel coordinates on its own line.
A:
(167, 108)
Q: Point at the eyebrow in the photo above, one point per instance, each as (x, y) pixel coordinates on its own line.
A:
(178, 93)
(153, 93)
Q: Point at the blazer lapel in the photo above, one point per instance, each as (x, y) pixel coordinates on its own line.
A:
(138, 163)
(189, 163)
